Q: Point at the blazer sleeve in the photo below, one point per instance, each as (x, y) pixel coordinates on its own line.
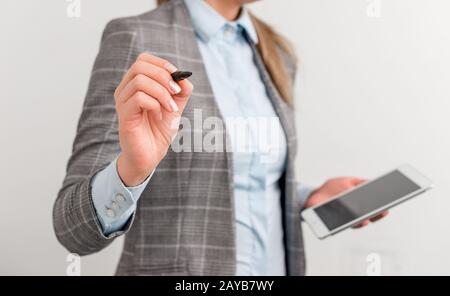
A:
(96, 144)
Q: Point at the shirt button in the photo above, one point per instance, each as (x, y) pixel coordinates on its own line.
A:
(120, 198)
(114, 205)
(110, 213)
(228, 30)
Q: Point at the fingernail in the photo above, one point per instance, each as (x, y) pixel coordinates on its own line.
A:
(173, 106)
(174, 87)
(171, 68)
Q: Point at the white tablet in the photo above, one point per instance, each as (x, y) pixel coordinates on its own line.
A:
(365, 201)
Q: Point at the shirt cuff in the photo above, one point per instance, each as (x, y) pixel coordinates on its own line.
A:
(113, 201)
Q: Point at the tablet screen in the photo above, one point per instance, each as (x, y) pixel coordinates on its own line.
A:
(365, 199)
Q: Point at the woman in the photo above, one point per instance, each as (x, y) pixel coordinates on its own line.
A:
(192, 207)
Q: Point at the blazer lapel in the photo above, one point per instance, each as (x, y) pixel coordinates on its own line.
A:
(282, 109)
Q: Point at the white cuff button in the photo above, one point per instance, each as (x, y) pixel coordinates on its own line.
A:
(110, 213)
(120, 198)
(114, 205)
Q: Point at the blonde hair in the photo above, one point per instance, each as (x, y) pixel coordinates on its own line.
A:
(270, 42)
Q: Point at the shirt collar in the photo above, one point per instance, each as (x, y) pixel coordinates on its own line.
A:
(207, 22)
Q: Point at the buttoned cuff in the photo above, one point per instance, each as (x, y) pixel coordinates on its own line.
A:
(113, 201)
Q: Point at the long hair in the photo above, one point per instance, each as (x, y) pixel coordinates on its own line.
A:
(270, 42)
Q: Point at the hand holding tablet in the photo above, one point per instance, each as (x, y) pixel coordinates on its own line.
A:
(367, 200)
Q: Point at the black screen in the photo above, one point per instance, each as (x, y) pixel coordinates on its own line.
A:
(365, 199)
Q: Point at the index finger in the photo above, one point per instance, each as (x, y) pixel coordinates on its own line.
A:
(144, 58)
(160, 62)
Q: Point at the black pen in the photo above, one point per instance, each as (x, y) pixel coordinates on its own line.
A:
(180, 75)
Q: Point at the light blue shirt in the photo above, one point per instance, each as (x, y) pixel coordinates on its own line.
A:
(257, 140)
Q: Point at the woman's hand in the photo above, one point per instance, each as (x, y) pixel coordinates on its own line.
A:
(149, 106)
(335, 186)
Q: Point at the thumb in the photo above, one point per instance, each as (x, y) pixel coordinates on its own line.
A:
(357, 181)
(182, 97)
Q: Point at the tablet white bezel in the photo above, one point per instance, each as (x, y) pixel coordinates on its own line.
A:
(319, 227)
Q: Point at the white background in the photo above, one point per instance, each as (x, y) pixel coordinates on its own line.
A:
(373, 93)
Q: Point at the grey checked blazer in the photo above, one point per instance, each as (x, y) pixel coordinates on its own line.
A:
(184, 222)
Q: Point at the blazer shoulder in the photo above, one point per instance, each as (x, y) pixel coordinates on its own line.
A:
(133, 24)
(120, 26)
(164, 13)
